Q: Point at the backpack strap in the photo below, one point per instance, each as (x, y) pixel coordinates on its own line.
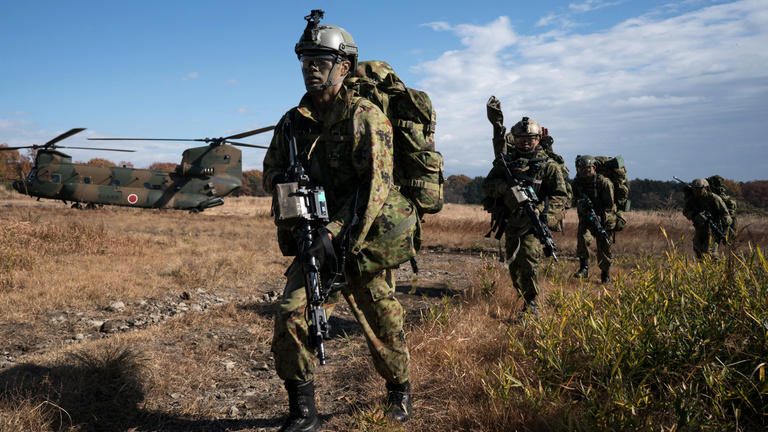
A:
(407, 124)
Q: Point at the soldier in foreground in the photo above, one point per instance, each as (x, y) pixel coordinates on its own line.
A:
(344, 145)
(596, 210)
(519, 174)
(709, 215)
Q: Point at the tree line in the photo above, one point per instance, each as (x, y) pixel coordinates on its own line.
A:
(645, 194)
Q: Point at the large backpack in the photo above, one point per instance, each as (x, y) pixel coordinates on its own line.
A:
(546, 144)
(613, 168)
(418, 167)
(717, 186)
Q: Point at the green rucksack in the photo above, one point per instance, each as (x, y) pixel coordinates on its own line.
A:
(418, 167)
(613, 168)
(717, 186)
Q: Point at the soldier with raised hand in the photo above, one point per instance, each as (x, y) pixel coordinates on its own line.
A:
(528, 163)
(709, 215)
(344, 143)
(596, 209)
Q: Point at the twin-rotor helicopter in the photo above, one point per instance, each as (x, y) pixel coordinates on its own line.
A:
(204, 177)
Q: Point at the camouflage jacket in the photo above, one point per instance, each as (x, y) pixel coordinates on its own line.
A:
(547, 180)
(599, 190)
(710, 203)
(347, 151)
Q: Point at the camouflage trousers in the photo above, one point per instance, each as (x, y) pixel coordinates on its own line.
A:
(523, 254)
(703, 243)
(372, 302)
(586, 233)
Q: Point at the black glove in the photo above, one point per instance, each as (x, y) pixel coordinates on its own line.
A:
(493, 110)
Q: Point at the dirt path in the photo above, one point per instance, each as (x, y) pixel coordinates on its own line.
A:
(204, 356)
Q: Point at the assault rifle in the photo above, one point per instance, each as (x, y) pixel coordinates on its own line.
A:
(526, 197)
(304, 207)
(585, 204)
(714, 227)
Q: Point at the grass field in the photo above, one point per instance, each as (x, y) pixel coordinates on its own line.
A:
(144, 320)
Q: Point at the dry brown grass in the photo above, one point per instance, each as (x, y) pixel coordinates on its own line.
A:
(192, 366)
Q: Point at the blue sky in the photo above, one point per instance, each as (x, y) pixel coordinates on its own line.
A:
(676, 87)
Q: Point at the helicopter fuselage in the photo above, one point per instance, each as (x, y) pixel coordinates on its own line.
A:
(205, 175)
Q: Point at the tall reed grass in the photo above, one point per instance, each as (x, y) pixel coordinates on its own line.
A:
(676, 345)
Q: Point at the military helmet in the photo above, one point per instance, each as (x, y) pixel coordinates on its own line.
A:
(526, 127)
(700, 183)
(585, 161)
(326, 39)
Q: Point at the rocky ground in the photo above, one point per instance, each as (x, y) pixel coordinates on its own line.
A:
(241, 390)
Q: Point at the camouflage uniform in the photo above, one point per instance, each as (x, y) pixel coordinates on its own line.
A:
(693, 211)
(599, 190)
(350, 155)
(523, 249)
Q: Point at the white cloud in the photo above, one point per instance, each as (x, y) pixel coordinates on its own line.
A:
(191, 76)
(590, 5)
(631, 89)
(438, 25)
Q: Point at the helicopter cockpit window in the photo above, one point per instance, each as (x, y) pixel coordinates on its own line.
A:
(87, 179)
(114, 182)
(56, 178)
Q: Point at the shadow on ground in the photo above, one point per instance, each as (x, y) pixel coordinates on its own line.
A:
(104, 391)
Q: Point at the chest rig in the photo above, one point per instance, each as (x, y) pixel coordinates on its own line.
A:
(526, 169)
(325, 149)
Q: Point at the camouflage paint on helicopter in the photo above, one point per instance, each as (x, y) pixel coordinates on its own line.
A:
(206, 175)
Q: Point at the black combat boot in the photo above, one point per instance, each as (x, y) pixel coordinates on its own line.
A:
(399, 401)
(530, 307)
(583, 271)
(302, 414)
(605, 276)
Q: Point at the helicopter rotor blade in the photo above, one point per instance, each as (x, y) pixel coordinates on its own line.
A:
(249, 133)
(17, 148)
(147, 139)
(98, 148)
(246, 145)
(65, 135)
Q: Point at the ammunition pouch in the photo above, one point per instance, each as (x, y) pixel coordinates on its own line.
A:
(394, 238)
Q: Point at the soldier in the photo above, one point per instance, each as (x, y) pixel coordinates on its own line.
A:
(345, 145)
(709, 215)
(532, 165)
(597, 216)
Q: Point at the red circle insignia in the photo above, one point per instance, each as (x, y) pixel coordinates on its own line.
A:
(133, 198)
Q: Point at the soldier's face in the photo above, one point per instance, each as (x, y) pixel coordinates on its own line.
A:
(318, 70)
(699, 191)
(527, 144)
(586, 170)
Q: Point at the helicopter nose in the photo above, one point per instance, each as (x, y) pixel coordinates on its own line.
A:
(17, 186)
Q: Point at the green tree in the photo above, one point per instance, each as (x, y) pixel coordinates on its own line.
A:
(252, 184)
(454, 188)
(473, 193)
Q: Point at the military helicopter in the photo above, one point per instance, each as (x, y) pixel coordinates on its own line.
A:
(206, 175)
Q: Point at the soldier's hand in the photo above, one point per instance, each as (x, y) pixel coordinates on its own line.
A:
(493, 110)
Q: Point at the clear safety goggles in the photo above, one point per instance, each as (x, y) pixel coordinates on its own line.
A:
(317, 59)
